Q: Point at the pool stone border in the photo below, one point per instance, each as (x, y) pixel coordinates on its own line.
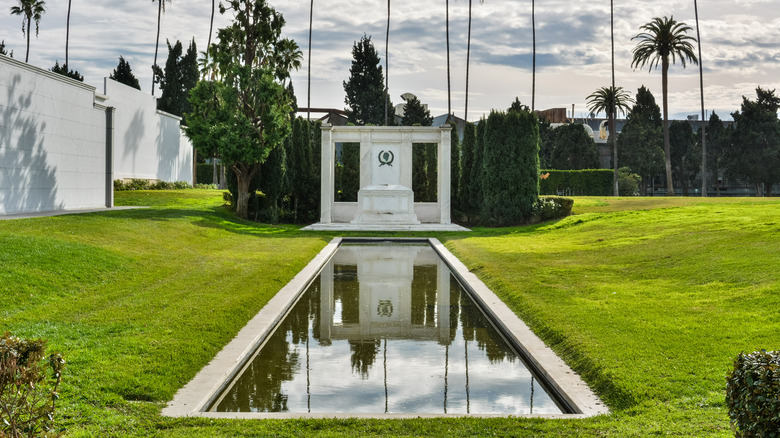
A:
(195, 397)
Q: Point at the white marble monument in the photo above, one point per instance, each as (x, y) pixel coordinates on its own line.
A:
(385, 199)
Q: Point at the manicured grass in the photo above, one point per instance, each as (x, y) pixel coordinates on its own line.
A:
(648, 298)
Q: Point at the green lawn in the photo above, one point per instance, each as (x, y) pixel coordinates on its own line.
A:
(649, 299)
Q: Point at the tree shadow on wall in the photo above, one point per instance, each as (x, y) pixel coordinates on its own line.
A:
(27, 182)
(168, 138)
(132, 142)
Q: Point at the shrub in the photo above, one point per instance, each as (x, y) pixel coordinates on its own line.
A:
(28, 387)
(206, 186)
(589, 182)
(205, 173)
(753, 394)
(552, 207)
(628, 183)
(144, 184)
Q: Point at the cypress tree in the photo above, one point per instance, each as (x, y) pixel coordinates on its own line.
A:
(454, 167)
(366, 86)
(465, 201)
(124, 74)
(477, 168)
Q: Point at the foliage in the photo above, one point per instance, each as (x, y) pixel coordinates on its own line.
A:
(415, 114)
(552, 207)
(454, 167)
(244, 113)
(590, 182)
(63, 70)
(366, 87)
(755, 152)
(511, 168)
(516, 106)
(348, 173)
(686, 159)
(753, 394)
(573, 148)
(466, 202)
(718, 142)
(424, 163)
(628, 182)
(124, 74)
(205, 173)
(3, 50)
(179, 77)
(145, 184)
(29, 387)
(546, 143)
(640, 144)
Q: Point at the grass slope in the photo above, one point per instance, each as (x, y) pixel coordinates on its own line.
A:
(649, 299)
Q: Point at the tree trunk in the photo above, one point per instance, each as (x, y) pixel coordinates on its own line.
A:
(211, 29)
(613, 110)
(703, 121)
(214, 175)
(27, 56)
(387, 67)
(468, 55)
(613, 139)
(244, 175)
(308, 87)
(67, 36)
(157, 41)
(667, 147)
(533, 68)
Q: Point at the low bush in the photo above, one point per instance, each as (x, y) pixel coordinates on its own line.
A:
(28, 387)
(145, 184)
(552, 207)
(628, 183)
(753, 394)
(205, 173)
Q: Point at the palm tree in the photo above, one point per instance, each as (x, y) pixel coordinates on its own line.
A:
(211, 30)
(30, 10)
(160, 10)
(703, 122)
(468, 59)
(533, 68)
(288, 56)
(611, 100)
(67, 36)
(662, 38)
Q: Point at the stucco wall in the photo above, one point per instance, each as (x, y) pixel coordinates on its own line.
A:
(52, 142)
(148, 144)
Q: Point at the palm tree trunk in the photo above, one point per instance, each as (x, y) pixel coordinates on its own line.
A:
(667, 148)
(612, 128)
(387, 71)
(156, 41)
(67, 36)
(211, 29)
(27, 56)
(703, 121)
(468, 60)
(308, 91)
(533, 69)
(449, 95)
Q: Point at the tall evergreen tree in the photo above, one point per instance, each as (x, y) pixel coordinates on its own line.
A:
(573, 149)
(717, 141)
(179, 77)
(465, 201)
(365, 88)
(478, 169)
(124, 74)
(3, 50)
(422, 168)
(640, 145)
(681, 141)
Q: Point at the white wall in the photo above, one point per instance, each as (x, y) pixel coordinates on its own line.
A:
(52, 142)
(148, 144)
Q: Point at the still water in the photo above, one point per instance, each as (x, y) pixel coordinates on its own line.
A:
(386, 329)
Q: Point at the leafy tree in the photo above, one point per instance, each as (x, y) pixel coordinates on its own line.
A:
(573, 149)
(365, 88)
(3, 51)
(611, 100)
(244, 114)
(664, 38)
(717, 144)
(124, 74)
(755, 153)
(63, 70)
(30, 10)
(640, 145)
(681, 140)
(180, 76)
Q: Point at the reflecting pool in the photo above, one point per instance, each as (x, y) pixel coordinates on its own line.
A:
(386, 329)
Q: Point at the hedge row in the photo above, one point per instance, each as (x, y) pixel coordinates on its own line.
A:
(589, 182)
(753, 394)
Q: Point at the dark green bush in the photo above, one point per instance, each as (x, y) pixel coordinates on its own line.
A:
(28, 387)
(588, 182)
(552, 207)
(753, 394)
(204, 173)
(144, 184)
(628, 183)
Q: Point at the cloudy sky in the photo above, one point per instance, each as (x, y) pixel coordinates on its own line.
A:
(741, 47)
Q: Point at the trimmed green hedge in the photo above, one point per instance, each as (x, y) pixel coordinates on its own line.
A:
(753, 394)
(588, 182)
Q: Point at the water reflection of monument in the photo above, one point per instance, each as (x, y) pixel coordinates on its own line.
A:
(385, 304)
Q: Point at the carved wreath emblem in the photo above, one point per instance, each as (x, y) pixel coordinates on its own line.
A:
(386, 157)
